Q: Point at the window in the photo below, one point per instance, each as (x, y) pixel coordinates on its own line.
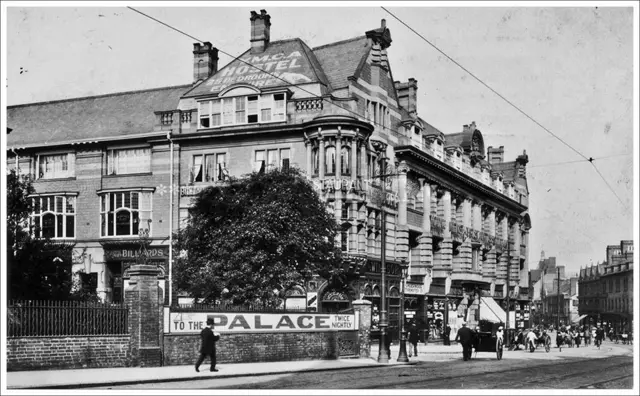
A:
(252, 109)
(359, 161)
(315, 158)
(242, 110)
(56, 166)
(122, 213)
(127, 161)
(345, 210)
(285, 158)
(278, 107)
(345, 160)
(272, 158)
(209, 168)
(330, 160)
(54, 216)
(344, 238)
(475, 257)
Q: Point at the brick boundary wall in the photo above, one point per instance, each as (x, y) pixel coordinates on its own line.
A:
(67, 352)
(181, 349)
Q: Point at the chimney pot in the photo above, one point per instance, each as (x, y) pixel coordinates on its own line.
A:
(205, 61)
(260, 31)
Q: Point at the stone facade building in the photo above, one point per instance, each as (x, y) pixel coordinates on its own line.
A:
(606, 289)
(455, 210)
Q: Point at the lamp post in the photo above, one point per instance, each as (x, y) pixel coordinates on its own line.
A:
(402, 355)
(383, 352)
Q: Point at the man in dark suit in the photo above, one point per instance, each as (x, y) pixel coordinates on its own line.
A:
(465, 336)
(208, 346)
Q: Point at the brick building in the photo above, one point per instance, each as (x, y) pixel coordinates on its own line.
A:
(456, 211)
(606, 289)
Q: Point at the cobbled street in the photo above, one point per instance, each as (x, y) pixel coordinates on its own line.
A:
(610, 367)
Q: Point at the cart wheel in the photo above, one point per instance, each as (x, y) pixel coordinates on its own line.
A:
(499, 349)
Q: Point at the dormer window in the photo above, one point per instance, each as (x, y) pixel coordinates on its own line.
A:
(240, 110)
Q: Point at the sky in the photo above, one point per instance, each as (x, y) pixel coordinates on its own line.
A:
(570, 69)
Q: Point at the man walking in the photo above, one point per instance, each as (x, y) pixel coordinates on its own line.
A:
(208, 346)
(413, 339)
(465, 336)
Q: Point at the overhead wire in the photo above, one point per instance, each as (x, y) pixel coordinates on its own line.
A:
(265, 71)
(381, 125)
(579, 161)
(506, 100)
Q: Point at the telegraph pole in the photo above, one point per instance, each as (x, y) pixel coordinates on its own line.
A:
(558, 299)
(508, 344)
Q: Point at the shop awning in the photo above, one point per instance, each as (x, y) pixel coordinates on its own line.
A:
(491, 311)
(575, 319)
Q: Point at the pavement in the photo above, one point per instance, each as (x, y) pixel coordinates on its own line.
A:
(100, 377)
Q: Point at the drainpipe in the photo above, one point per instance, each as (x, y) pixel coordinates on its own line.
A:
(17, 161)
(170, 220)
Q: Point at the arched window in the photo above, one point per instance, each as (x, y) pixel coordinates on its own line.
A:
(345, 160)
(315, 158)
(330, 160)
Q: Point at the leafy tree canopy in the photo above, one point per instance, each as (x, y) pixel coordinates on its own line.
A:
(37, 269)
(253, 235)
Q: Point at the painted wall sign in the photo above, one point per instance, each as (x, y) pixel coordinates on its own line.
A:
(262, 70)
(414, 288)
(123, 254)
(193, 322)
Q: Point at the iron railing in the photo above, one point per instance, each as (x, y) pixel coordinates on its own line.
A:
(27, 318)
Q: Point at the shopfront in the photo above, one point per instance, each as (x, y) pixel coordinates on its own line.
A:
(119, 257)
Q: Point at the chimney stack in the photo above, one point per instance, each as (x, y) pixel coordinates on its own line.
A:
(260, 31)
(205, 61)
(408, 95)
(496, 156)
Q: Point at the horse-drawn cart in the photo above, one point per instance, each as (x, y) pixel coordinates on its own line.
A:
(487, 341)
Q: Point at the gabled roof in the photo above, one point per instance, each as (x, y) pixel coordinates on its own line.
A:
(93, 117)
(283, 63)
(343, 59)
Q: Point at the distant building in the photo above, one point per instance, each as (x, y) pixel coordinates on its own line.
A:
(607, 289)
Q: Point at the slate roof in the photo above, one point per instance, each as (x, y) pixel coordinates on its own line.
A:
(430, 129)
(508, 170)
(342, 59)
(93, 117)
(294, 69)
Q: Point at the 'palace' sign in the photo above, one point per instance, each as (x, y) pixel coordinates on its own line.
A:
(193, 322)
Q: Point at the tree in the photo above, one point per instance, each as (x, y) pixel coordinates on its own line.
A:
(37, 269)
(251, 236)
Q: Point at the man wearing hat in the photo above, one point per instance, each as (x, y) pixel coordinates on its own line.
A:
(208, 347)
(465, 336)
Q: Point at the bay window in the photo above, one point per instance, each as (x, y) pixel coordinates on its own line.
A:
(128, 161)
(345, 160)
(122, 213)
(239, 110)
(54, 216)
(330, 160)
(56, 166)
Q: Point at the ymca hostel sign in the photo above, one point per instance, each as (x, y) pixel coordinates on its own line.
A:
(263, 70)
(193, 322)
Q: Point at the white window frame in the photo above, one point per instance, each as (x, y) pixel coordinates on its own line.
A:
(65, 213)
(277, 109)
(70, 170)
(278, 162)
(113, 168)
(218, 174)
(120, 207)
